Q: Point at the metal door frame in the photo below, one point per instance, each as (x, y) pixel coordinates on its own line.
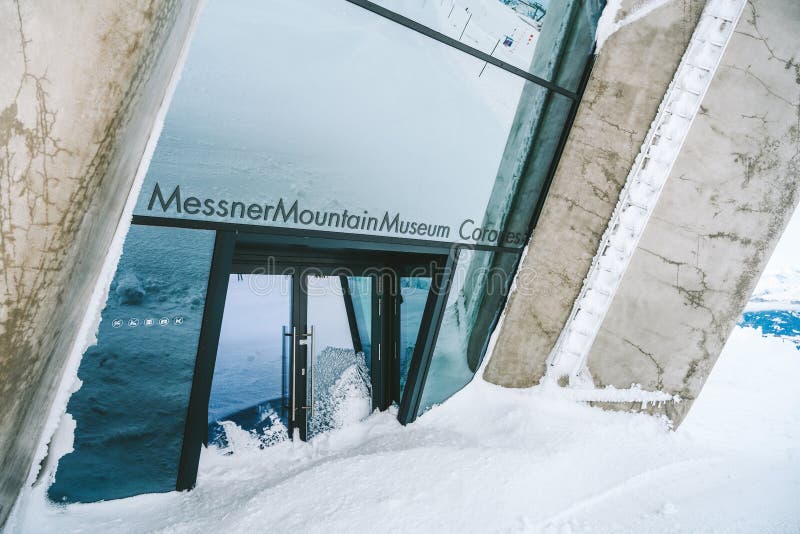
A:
(236, 251)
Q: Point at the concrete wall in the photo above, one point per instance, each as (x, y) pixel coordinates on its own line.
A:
(81, 84)
(731, 192)
(629, 79)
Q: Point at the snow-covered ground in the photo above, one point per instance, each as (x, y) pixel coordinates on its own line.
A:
(499, 460)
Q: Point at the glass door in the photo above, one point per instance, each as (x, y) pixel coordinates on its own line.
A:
(339, 345)
(249, 397)
(315, 348)
(297, 341)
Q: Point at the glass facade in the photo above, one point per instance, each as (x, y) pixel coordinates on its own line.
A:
(249, 385)
(413, 296)
(359, 288)
(358, 125)
(339, 389)
(479, 285)
(384, 135)
(546, 38)
(130, 409)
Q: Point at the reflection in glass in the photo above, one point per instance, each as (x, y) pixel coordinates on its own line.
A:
(359, 289)
(413, 295)
(518, 189)
(249, 373)
(131, 407)
(549, 39)
(338, 380)
(348, 111)
(508, 31)
(480, 284)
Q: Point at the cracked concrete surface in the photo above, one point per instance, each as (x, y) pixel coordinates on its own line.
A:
(628, 81)
(732, 191)
(82, 82)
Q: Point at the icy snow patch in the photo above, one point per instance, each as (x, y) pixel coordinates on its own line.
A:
(501, 460)
(610, 23)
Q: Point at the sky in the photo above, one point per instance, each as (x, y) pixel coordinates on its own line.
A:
(787, 253)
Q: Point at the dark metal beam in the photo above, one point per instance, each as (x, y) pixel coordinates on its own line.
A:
(351, 314)
(426, 340)
(315, 238)
(195, 432)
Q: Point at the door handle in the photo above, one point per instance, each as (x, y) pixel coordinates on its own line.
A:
(294, 367)
(308, 341)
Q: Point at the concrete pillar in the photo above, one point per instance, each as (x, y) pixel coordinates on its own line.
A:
(629, 79)
(81, 85)
(732, 189)
(725, 204)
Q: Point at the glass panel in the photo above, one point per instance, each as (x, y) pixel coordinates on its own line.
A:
(507, 30)
(350, 123)
(339, 379)
(413, 295)
(524, 168)
(247, 392)
(136, 380)
(360, 290)
(480, 284)
(551, 40)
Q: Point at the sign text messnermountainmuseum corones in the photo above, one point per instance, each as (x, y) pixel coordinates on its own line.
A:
(293, 213)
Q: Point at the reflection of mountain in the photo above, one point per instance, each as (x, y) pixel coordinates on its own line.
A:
(775, 305)
(779, 290)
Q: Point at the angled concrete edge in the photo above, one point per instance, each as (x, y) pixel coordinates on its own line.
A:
(73, 128)
(629, 79)
(731, 192)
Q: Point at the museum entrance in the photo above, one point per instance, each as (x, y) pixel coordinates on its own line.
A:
(312, 340)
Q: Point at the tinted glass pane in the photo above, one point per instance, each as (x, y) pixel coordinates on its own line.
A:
(338, 120)
(572, 42)
(525, 165)
(551, 39)
(339, 380)
(413, 293)
(508, 31)
(480, 284)
(360, 291)
(248, 385)
(131, 406)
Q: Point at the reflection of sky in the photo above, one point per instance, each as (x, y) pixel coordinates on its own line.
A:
(335, 106)
(779, 286)
(787, 253)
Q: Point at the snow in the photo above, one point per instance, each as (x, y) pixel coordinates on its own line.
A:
(492, 460)
(610, 22)
(500, 460)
